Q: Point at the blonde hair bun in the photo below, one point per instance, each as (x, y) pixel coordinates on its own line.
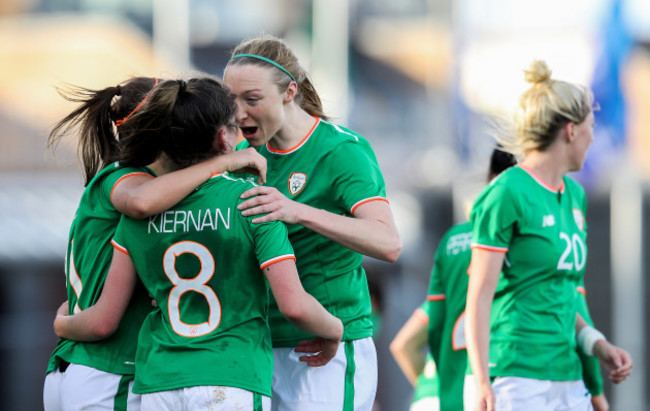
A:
(538, 73)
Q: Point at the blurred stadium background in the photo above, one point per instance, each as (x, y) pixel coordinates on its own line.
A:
(416, 77)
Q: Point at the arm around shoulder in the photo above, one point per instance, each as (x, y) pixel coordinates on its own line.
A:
(141, 196)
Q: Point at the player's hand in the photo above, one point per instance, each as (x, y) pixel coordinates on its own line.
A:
(600, 403)
(321, 351)
(246, 161)
(617, 360)
(486, 398)
(63, 309)
(269, 200)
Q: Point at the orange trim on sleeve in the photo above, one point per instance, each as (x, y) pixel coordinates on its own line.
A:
(490, 248)
(119, 247)
(277, 259)
(367, 200)
(582, 290)
(126, 176)
(436, 297)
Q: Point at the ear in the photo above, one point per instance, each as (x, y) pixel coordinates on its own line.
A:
(290, 92)
(219, 142)
(569, 130)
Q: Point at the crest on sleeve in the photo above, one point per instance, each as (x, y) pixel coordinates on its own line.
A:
(579, 219)
(297, 182)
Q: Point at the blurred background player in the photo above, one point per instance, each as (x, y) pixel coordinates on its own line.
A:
(440, 320)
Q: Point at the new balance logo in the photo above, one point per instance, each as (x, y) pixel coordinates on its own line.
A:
(548, 221)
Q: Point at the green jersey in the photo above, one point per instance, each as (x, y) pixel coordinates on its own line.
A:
(543, 232)
(88, 258)
(202, 262)
(333, 169)
(447, 297)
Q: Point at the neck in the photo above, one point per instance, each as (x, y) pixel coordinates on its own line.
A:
(297, 124)
(547, 165)
(163, 165)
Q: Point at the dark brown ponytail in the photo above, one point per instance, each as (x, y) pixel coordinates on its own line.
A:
(94, 119)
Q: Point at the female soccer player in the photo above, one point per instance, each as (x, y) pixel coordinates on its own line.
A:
(325, 184)
(83, 375)
(206, 345)
(529, 245)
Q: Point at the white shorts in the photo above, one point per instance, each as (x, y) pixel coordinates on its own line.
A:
(205, 397)
(85, 388)
(347, 382)
(426, 404)
(517, 393)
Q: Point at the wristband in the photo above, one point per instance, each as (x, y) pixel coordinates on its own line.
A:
(587, 338)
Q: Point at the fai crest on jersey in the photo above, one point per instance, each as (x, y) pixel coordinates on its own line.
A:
(579, 218)
(297, 182)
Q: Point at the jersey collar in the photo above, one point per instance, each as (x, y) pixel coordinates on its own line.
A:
(542, 183)
(300, 144)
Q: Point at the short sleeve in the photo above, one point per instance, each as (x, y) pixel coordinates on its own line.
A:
(422, 312)
(120, 236)
(494, 217)
(357, 178)
(271, 243)
(111, 180)
(436, 285)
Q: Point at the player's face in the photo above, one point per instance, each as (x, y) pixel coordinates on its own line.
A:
(260, 104)
(584, 136)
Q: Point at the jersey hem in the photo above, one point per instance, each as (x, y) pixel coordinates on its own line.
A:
(138, 388)
(536, 376)
(117, 370)
(293, 342)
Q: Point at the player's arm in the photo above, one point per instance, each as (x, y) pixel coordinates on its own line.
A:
(141, 196)
(599, 402)
(304, 311)
(372, 230)
(407, 346)
(593, 342)
(590, 365)
(101, 320)
(485, 269)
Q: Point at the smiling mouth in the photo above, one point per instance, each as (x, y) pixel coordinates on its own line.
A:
(248, 131)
